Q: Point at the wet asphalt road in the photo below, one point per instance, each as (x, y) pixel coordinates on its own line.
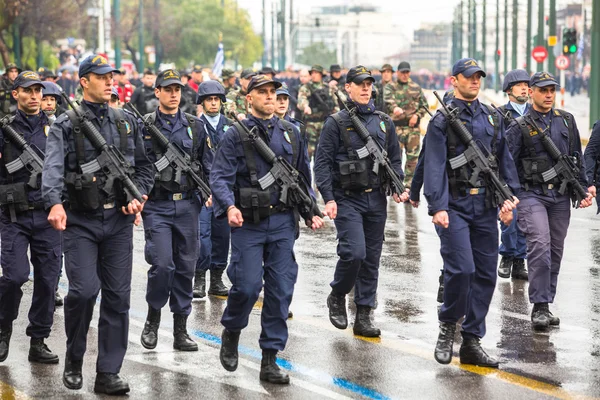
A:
(325, 362)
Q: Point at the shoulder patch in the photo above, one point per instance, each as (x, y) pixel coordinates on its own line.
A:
(286, 136)
(46, 130)
(128, 127)
(491, 119)
(208, 142)
(382, 126)
(189, 132)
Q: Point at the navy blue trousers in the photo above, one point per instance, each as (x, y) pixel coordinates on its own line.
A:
(98, 251)
(171, 230)
(360, 225)
(469, 248)
(544, 220)
(214, 235)
(512, 239)
(262, 252)
(31, 230)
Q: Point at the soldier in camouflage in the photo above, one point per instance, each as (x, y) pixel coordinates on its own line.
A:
(228, 80)
(387, 73)
(236, 99)
(404, 101)
(8, 105)
(316, 101)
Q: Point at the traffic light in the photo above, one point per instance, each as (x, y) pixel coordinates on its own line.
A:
(569, 41)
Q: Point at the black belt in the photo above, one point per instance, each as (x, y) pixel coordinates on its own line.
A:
(172, 196)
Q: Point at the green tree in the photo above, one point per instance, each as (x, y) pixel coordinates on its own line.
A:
(317, 53)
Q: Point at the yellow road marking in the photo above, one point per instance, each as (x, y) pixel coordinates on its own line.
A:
(7, 392)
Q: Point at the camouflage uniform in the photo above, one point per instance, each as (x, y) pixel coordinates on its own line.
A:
(236, 102)
(8, 105)
(314, 122)
(410, 98)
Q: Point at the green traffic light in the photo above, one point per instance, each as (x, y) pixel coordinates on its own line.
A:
(573, 48)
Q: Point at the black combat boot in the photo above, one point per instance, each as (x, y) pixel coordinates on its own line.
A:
(363, 326)
(40, 353)
(72, 378)
(5, 333)
(110, 384)
(200, 285)
(58, 300)
(150, 332)
(540, 316)
(518, 269)
(505, 267)
(444, 346)
(337, 310)
(270, 371)
(182, 341)
(440, 295)
(229, 350)
(472, 353)
(217, 288)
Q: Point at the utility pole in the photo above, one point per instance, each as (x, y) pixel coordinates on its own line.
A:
(101, 41)
(583, 60)
(552, 32)
(117, 24)
(505, 36)
(141, 40)
(454, 35)
(528, 44)
(474, 30)
(540, 34)
(264, 33)
(483, 35)
(282, 38)
(595, 73)
(460, 30)
(496, 55)
(469, 25)
(157, 45)
(273, 33)
(515, 17)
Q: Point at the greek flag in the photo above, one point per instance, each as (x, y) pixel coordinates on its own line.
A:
(580, 47)
(219, 61)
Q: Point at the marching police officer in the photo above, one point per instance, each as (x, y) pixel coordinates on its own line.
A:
(97, 222)
(282, 106)
(236, 99)
(465, 220)
(315, 100)
(544, 212)
(356, 201)
(8, 104)
(24, 223)
(171, 217)
(51, 101)
(513, 248)
(405, 101)
(143, 98)
(214, 232)
(263, 229)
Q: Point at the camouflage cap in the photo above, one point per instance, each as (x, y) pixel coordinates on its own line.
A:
(386, 67)
(248, 73)
(316, 68)
(10, 66)
(226, 73)
(261, 80)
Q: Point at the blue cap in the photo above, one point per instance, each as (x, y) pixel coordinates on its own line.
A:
(543, 79)
(514, 77)
(283, 90)
(467, 67)
(358, 74)
(168, 77)
(96, 64)
(114, 92)
(26, 79)
(52, 89)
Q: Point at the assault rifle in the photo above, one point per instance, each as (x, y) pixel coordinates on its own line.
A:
(29, 157)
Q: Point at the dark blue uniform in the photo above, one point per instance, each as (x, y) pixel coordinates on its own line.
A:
(31, 229)
(512, 240)
(214, 232)
(264, 250)
(171, 218)
(592, 153)
(361, 214)
(469, 246)
(97, 243)
(544, 213)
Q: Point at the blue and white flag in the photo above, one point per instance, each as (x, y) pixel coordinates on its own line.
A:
(219, 61)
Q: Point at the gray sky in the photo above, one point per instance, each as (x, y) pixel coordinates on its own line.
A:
(408, 14)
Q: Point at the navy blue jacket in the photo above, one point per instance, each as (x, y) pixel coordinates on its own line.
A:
(558, 132)
(214, 136)
(61, 157)
(331, 150)
(34, 129)
(592, 152)
(478, 121)
(177, 129)
(229, 169)
(417, 181)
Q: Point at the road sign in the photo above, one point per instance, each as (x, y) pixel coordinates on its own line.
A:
(539, 54)
(562, 62)
(552, 40)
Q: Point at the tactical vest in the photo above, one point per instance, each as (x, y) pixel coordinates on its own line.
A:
(86, 191)
(254, 202)
(165, 180)
(506, 115)
(458, 179)
(355, 173)
(533, 164)
(320, 102)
